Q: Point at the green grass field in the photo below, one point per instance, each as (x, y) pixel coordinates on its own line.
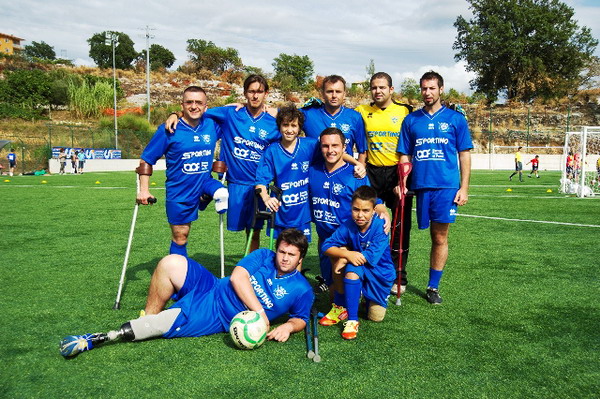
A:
(520, 314)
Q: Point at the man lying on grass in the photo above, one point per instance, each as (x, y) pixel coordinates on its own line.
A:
(264, 281)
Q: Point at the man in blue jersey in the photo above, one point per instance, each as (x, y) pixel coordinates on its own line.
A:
(189, 152)
(333, 113)
(361, 254)
(286, 164)
(264, 281)
(331, 185)
(246, 135)
(437, 141)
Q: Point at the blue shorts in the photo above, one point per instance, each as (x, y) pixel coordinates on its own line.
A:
(374, 287)
(305, 229)
(179, 213)
(197, 301)
(436, 205)
(241, 208)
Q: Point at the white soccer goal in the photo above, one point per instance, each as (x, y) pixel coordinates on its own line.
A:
(580, 162)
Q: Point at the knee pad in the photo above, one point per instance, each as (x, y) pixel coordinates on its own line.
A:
(376, 312)
(221, 197)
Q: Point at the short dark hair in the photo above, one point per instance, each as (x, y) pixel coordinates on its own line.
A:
(288, 113)
(195, 89)
(253, 79)
(430, 76)
(519, 148)
(365, 193)
(12, 150)
(333, 79)
(332, 131)
(293, 237)
(381, 75)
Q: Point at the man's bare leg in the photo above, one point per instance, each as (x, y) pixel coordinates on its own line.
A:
(168, 277)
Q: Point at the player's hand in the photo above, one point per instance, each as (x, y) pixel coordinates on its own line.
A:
(266, 319)
(171, 123)
(280, 333)
(272, 204)
(143, 197)
(237, 106)
(360, 171)
(339, 265)
(399, 192)
(356, 258)
(462, 196)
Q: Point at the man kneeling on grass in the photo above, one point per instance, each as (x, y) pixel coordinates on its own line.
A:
(264, 281)
(359, 249)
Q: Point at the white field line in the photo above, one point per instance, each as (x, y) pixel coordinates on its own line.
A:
(529, 221)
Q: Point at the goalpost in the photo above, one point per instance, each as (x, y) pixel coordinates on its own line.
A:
(580, 162)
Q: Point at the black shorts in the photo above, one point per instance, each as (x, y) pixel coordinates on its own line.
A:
(383, 180)
(518, 166)
(11, 164)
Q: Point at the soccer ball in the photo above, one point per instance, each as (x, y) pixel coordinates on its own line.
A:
(248, 330)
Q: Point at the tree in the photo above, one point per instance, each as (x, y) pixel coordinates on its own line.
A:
(207, 55)
(523, 48)
(27, 88)
(410, 89)
(101, 52)
(40, 50)
(160, 57)
(294, 70)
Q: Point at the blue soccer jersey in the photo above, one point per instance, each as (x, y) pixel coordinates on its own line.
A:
(317, 119)
(434, 142)
(331, 196)
(189, 154)
(245, 139)
(288, 294)
(12, 157)
(378, 272)
(289, 171)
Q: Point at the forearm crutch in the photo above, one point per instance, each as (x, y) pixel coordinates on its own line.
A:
(404, 170)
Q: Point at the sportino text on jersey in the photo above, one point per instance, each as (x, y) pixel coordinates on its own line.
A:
(325, 201)
(249, 143)
(292, 184)
(260, 293)
(431, 140)
(192, 154)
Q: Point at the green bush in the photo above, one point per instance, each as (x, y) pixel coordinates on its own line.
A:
(88, 100)
(15, 111)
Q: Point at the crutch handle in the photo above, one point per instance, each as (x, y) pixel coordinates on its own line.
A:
(152, 200)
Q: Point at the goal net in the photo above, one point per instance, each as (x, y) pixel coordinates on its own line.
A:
(581, 162)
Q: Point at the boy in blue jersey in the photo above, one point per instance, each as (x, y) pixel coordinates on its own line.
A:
(333, 113)
(266, 282)
(246, 135)
(360, 252)
(437, 141)
(287, 164)
(189, 152)
(331, 185)
(12, 161)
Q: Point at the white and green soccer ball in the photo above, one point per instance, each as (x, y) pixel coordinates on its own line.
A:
(248, 330)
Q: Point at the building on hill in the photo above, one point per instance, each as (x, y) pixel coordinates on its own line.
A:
(9, 44)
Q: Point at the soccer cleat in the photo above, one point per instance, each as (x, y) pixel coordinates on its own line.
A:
(394, 290)
(350, 329)
(510, 178)
(72, 345)
(529, 176)
(142, 313)
(335, 315)
(433, 296)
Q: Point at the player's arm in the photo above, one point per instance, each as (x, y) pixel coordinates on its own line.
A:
(240, 280)
(359, 167)
(403, 159)
(462, 196)
(144, 170)
(354, 257)
(282, 332)
(382, 212)
(172, 121)
(271, 203)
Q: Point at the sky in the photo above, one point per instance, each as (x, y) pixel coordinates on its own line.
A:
(404, 37)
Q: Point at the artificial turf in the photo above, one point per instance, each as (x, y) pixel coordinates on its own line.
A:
(519, 319)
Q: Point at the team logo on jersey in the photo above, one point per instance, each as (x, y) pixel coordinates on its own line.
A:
(337, 188)
(306, 232)
(345, 128)
(269, 281)
(206, 138)
(262, 133)
(252, 129)
(452, 212)
(326, 185)
(294, 166)
(394, 120)
(444, 127)
(333, 124)
(318, 214)
(196, 139)
(365, 245)
(279, 292)
(431, 126)
(305, 165)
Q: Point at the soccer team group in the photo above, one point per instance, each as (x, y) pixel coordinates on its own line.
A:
(321, 182)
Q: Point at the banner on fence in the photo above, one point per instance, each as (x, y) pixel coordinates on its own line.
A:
(90, 153)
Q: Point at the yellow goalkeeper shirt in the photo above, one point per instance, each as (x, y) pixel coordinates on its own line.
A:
(383, 130)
